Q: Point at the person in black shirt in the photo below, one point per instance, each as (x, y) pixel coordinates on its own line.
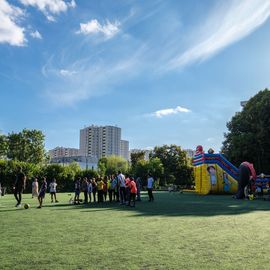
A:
(19, 186)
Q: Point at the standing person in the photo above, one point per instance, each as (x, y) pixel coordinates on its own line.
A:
(42, 192)
(77, 191)
(138, 185)
(94, 189)
(122, 185)
(53, 186)
(246, 174)
(105, 188)
(111, 187)
(19, 186)
(133, 192)
(100, 184)
(90, 190)
(35, 188)
(116, 189)
(127, 181)
(85, 190)
(150, 183)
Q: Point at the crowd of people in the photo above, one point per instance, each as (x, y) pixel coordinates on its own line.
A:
(119, 188)
(114, 188)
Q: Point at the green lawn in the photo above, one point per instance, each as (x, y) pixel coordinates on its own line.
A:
(177, 231)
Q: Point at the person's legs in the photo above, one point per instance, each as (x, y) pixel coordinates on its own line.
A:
(133, 195)
(90, 197)
(85, 196)
(16, 196)
(20, 197)
(55, 200)
(149, 194)
(51, 197)
(94, 195)
(152, 196)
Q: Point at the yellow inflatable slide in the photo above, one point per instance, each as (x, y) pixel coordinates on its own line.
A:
(214, 174)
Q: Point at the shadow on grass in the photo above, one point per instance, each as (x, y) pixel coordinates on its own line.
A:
(176, 204)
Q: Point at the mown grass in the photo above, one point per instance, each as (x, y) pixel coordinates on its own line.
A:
(177, 231)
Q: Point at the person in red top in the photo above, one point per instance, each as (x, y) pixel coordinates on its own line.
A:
(133, 192)
(246, 174)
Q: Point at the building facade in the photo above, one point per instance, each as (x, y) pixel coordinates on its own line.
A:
(124, 149)
(100, 141)
(59, 152)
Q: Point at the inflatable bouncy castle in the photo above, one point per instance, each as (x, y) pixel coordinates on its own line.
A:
(214, 173)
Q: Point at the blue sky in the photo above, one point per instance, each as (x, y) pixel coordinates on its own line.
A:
(164, 71)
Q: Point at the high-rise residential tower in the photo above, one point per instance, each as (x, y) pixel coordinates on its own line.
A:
(100, 141)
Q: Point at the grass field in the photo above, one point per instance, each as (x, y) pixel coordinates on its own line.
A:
(177, 231)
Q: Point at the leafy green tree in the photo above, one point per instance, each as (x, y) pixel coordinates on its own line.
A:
(3, 146)
(111, 164)
(27, 146)
(176, 164)
(248, 136)
(135, 157)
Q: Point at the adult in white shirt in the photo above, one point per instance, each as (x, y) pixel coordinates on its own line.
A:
(150, 183)
(53, 186)
(122, 185)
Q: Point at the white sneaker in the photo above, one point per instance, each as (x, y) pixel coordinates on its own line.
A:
(19, 205)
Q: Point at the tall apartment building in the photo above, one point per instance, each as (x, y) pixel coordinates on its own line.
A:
(100, 141)
(63, 152)
(124, 149)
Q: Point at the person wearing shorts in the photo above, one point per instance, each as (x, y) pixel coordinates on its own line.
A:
(53, 186)
(42, 192)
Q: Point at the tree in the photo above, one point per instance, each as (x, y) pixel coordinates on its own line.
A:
(135, 157)
(248, 136)
(176, 165)
(3, 146)
(27, 146)
(145, 167)
(112, 164)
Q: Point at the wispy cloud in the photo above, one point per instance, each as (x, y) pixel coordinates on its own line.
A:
(94, 27)
(65, 72)
(10, 32)
(224, 28)
(50, 8)
(36, 35)
(169, 111)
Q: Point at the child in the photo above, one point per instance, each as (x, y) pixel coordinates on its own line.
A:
(42, 192)
(105, 188)
(77, 191)
(53, 186)
(35, 188)
(90, 190)
(133, 192)
(85, 190)
(94, 189)
(100, 184)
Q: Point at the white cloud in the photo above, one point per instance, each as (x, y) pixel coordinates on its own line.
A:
(36, 35)
(65, 72)
(166, 112)
(93, 27)
(225, 26)
(10, 31)
(50, 7)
